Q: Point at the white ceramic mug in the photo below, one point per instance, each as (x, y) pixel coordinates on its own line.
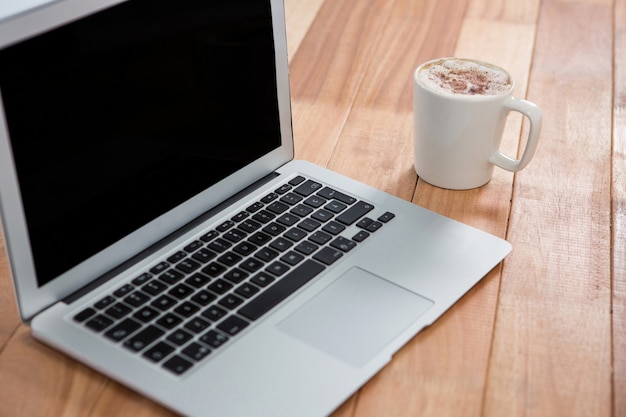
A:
(458, 130)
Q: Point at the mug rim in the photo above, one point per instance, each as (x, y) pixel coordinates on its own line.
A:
(472, 97)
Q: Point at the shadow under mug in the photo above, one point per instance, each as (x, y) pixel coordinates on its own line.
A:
(457, 136)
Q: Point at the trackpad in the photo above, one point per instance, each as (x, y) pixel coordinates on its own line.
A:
(356, 316)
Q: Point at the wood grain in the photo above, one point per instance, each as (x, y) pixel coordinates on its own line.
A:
(544, 333)
(619, 213)
(552, 345)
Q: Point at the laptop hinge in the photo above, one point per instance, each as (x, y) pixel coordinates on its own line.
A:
(168, 239)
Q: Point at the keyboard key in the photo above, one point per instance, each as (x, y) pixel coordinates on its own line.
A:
(220, 286)
(158, 352)
(196, 351)
(354, 213)
(245, 248)
(99, 323)
(249, 226)
(274, 229)
(335, 206)
(306, 247)
(164, 302)
(263, 279)
(292, 258)
(169, 321)
(309, 225)
(236, 275)
(277, 268)
(229, 258)
(214, 313)
(291, 199)
(105, 302)
(160, 267)
(322, 215)
(214, 269)
(225, 226)
(154, 287)
(264, 216)
(177, 365)
(255, 207)
(315, 201)
(252, 265)
(235, 235)
(136, 299)
(122, 330)
(295, 234)
(269, 198)
(193, 246)
(84, 315)
(142, 279)
(283, 189)
(187, 266)
(171, 276)
(307, 188)
(360, 236)
(230, 301)
(301, 210)
(118, 310)
(288, 219)
(186, 309)
(179, 337)
(266, 254)
(334, 228)
(328, 255)
(296, 180)
(374, 226)
(142, 339)
(214, 339)
(203, 298)
(232, 325)
(209, 236)
(204, 255)
(247, 290)
(239, 217)
(282, 289)
(146, 314)
(320, 237)
(281, 244)
(123, 290)
(197, 325)
(198, 280)
(329, 194)
(219, 245)
(277, 207)
(343, 244)
(177, 257)
(260, 238)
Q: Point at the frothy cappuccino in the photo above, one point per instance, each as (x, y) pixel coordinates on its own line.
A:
(465, 77)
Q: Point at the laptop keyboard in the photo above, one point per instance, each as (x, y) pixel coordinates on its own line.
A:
(204, 294)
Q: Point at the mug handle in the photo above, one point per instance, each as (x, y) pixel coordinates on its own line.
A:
(533, 113)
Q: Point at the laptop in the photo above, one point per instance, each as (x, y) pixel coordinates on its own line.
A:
(160, 231)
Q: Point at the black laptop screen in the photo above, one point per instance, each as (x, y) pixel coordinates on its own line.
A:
(120, 117)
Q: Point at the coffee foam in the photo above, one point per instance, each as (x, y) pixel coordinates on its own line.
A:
(464, 77)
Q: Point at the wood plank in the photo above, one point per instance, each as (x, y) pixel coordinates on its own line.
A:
(442, 371)
(9, 316)
(619, 213)
(39, 381)
(299, 15)
(323, 84)
(551, 352)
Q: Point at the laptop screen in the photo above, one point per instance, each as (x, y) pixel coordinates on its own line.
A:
(121, 116)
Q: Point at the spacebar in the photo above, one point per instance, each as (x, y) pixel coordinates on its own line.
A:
(281, 290)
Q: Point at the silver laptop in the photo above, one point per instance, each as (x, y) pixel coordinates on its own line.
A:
(159, 231)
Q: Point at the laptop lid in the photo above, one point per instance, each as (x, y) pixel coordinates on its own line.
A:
(122, 121)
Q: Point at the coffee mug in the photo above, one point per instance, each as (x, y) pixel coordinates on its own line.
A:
(460, 110)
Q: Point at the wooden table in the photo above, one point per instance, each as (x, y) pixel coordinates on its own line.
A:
(544, 334)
